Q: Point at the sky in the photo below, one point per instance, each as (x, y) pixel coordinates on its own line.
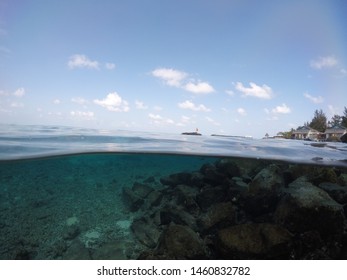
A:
(235, 67)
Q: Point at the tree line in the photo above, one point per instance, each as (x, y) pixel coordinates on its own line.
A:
(320, 122)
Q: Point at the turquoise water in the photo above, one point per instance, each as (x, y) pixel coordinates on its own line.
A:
(69, 193)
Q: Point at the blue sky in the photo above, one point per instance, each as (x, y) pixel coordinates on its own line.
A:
(238, 67)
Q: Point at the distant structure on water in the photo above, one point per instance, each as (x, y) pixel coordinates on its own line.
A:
(196, 132)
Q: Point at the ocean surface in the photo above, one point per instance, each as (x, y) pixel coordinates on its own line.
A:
(75, 193)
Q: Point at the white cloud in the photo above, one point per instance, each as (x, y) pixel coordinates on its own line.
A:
(79, 100)
(82, 115)
(17, 105)
(177, 78)
(56, 101)
(19, 92)
(263, 91)
(185, 119)
(199, 88)
(157, 119)
(242, 111)
(323, 62)
(333, 110)
(191, 106)
(157, 108)
(170, 76)
(82, 61)
(230, 92)
(140, 105)
(284, 109)
(110, 66)
(315, 100)
(343, 71)
(3, 93)
(212, 121)
(113, 102)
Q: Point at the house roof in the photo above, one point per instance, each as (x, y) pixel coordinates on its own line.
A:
(304, 129)
(336, 129)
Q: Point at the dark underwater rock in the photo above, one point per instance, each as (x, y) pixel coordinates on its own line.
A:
(71, 232)
(254, 241)
(154, 198)
(182, 178)
(77, 251)
(186, 197)
(141, 190)
(219, 214)
(305, 207)
(146, 232)
(175, 215)
(342, 180)
(268, 181)
(210, 195)
(133, 201)
(181, 242)
(264, 190)
(110, 251)
(135, 196)
(337, 192)
(212, 175)
(228, 167)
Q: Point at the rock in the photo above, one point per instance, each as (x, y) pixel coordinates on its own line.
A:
(135, 196)
(133, 201)
(71, 232)
(197, 180)
(212, 175)
(77, 251)
(228, 167)
(254, 241)
(154, 198)
(175, 215)
(181, 242)
(342, 180)
(111, 251)
(263, 194)
(323, 174)
(150, 180)
(186, 197)
(269, 180)
(141, 190)
(146, 232)
(219, 214)
(306, 207)
(338, 193)
(183, 178)
(210, 195)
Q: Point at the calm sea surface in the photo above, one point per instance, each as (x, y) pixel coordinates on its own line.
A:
(22, 142)
(72, 193)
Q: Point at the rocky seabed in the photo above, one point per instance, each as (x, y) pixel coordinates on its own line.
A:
(242, 209)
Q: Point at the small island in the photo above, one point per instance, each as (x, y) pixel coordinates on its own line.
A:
(196, 132)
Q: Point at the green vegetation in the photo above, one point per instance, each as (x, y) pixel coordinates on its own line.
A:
(320, 122)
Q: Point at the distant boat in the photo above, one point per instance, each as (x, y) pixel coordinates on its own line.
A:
(192, 133)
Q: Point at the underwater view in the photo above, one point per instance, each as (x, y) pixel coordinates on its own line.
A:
(68, 193)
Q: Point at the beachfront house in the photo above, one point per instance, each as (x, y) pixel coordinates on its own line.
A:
(305, 133)
(335, 132)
